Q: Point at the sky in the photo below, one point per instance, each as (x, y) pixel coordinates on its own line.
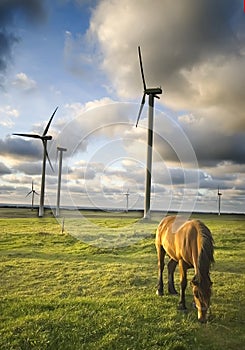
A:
(81, 55)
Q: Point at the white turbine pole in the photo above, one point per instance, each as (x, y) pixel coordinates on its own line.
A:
(127, 195)
(61, 150)
(42, 194)
(219, 201)
(152, 93)
(32, 200)
(149, 159)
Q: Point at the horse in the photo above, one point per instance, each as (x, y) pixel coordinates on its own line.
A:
(190, 246)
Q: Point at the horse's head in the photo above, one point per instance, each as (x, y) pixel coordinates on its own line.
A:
(202, 294)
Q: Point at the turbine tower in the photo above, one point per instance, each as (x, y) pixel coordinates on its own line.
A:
(127, 195)
(44, 138)
(152, 93)
(219, 200)
(61, 150)
(33, 192)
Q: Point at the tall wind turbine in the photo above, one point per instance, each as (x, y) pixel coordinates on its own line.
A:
(219, 200)
(44, 138)
(152, 93)
(33, 192)
(60, 150)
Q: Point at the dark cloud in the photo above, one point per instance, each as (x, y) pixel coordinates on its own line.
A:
(30, 168)
(31, 10)
(4, 169)
(18, 147)
(7, 189)
(214, 184)
(179, 36)
(212, 147)
(196, 31)
(6, 42)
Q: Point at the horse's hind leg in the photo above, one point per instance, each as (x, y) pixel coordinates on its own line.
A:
(171, 268)
(161, 255)
(183, 283)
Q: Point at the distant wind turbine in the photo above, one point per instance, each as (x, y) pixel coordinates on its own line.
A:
(44, 138)
(127, 195)
(152, 93)
(33, 192)
(61, 150)
(219, 194)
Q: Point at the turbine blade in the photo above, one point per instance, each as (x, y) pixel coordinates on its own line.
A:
(28, 194)
(50, 120)
(46, 152)
(35, 136)
(56, 158)
(49, 160)
(35, 192)
(141, 68)
(141, 108)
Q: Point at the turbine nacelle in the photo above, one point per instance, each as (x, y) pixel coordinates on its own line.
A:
(153, 91)
(48, 137)
(62, 149)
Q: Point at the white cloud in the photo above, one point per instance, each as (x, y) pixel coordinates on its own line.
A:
(8, 115)
(23, 82)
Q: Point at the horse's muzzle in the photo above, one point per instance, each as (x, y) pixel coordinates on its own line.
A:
(202, 314)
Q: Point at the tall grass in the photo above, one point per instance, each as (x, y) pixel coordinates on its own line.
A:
(59, 293)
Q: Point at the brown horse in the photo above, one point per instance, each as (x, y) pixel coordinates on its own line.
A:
(190, 246)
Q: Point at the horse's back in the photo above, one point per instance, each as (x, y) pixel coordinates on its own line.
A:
(183, 243)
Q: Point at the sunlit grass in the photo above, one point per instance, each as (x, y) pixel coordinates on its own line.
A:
(58, 292)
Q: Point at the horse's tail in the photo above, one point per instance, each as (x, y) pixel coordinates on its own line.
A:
(208, 242)
(206, 257)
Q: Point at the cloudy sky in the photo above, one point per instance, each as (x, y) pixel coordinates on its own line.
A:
(81, 55)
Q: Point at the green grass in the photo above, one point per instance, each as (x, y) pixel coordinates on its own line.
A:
(60, 293)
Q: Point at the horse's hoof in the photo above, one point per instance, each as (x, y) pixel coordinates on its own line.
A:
(173, 292)
(182, 307)
(159, 293)
(202, 321)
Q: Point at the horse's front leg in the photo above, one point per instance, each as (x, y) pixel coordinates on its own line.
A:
(171, 268)
(183, 284)
(161, 255)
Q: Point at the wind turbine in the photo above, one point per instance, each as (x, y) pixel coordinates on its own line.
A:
(127, 195)
(152, 93)
(33, 192)
(44, 138)
(219, 200)
(61, 150)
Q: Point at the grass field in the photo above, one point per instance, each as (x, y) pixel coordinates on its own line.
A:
(60, 293)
